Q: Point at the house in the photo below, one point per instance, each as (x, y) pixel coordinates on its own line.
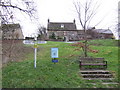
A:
(102, 33)
(59, 30)
(11, 31)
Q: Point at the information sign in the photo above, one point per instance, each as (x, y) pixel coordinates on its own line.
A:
(54, 52)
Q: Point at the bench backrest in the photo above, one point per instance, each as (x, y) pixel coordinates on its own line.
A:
(92, 60)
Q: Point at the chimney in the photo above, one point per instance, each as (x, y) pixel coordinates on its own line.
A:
(48, 20)
(74, 21)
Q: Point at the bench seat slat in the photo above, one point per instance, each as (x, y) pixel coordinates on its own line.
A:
(92, 64)
(92, 61)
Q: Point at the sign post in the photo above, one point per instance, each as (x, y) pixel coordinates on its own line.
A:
(35, 51)
(54, 55)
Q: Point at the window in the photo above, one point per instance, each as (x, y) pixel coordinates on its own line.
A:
(62, 25)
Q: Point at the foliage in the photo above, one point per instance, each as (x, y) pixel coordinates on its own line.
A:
(80, 45)
(53, 36)
(58, 37)
(42, 33)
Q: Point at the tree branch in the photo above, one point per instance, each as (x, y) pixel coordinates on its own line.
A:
(12, 6)
(78, 9)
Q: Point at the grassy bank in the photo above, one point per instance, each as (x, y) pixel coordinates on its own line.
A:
(64, 74)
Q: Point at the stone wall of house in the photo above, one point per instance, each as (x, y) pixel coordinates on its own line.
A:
(0, 48)
(71, 35)
(79, 35)
(0, 63)
(18, 34)
(12, 31)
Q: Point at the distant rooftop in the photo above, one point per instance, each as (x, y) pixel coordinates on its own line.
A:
(107, 31)
(10, 26)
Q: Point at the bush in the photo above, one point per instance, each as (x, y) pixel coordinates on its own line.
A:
(53, 36)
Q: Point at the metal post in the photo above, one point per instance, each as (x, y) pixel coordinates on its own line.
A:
(35, 57)
(35, 52)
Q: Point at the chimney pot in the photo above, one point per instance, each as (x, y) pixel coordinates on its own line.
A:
(48, 20)
(74, 20)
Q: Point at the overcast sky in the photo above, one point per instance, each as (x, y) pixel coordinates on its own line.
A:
(64, 11)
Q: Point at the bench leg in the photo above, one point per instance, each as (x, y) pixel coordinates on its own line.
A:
(80, 65)
(106, 65)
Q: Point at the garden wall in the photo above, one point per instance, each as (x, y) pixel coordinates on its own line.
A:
(13, 50)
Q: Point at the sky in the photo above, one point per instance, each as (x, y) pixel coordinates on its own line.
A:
(64, 11)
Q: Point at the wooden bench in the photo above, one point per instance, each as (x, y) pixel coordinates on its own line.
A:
(92, 63)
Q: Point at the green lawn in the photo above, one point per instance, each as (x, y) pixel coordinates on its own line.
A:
(64, 74)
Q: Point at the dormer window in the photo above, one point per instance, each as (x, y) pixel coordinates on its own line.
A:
(62, 25)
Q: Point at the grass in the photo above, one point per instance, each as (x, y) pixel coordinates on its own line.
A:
(0, 78)
(64, 74)
(104, 42)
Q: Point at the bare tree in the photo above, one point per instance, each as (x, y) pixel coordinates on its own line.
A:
(42, 32)
(8, 9)
(119, 20)
(86, 13)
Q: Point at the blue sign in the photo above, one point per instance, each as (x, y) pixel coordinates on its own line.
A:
(55, 60)
(54, 52)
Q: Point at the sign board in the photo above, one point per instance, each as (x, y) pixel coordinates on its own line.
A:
(54, 52)
(55, 60)
(35, 46)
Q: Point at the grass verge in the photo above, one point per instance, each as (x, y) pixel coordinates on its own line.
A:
(64, 74)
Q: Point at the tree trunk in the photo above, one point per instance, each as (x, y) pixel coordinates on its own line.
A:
(85, 43)
(85, 49)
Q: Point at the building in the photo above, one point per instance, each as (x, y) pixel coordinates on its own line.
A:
(60, 30)
(102, 33)
(11, 31)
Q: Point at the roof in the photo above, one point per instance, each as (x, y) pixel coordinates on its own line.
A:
(6, 27)
(61, 26)
(105, 31)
